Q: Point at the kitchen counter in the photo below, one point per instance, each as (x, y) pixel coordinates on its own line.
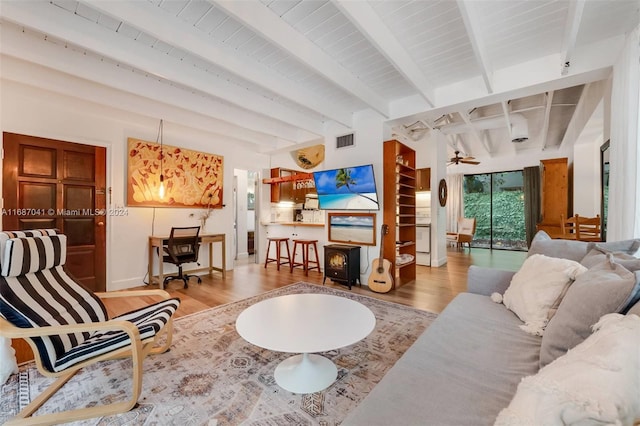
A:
(319, 225)
(299, 231)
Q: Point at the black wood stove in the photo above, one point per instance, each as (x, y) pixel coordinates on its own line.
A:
(342, 264)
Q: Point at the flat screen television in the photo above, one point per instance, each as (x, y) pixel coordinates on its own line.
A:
(349, 188)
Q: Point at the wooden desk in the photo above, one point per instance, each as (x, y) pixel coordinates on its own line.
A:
(159, 242)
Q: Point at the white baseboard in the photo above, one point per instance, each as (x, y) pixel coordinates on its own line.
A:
(125, 284)
(439, 262)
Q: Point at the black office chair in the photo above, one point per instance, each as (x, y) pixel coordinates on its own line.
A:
(182, 247)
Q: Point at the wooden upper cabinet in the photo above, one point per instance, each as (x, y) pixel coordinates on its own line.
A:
(554, 194)
(275, 189)
(423, 179)
(286, 188)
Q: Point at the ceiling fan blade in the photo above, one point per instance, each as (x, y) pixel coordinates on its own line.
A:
(469, 162)
(468, 158)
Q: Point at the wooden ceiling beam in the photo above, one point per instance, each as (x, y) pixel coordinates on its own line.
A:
(255, 15)
(50, 19)
(362, 15)
(574, 17)
(480, 137)
(155, 21)
(476, 38)
(506, 110)
(547, 118)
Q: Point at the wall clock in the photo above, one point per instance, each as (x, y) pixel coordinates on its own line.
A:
(442, 192)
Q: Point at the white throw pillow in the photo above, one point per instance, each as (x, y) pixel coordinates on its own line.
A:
(595, 383)
(8, 364)
(535, 288)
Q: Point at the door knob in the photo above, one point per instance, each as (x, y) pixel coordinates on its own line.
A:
(100, 223)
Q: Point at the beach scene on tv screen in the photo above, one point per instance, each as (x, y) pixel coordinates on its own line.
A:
(351, 188)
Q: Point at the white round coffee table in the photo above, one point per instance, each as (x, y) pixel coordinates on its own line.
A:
(304, 324)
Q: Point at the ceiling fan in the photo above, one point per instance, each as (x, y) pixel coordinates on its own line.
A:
(464, 160)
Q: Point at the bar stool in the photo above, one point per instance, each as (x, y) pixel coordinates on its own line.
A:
(305, 244)
(279, 252)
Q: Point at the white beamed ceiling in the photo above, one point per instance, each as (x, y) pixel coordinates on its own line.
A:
(276, 73)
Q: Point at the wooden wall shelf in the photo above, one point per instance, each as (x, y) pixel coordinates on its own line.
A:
(280, 179)
(284, 188)
(399, 211)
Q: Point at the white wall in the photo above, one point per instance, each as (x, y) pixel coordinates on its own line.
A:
(241, 213)
(583, 155)
(586, 179)
(586, 164)
(368, 130)
(36, 112)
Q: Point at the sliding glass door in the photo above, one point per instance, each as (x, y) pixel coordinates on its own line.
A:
(496, 200)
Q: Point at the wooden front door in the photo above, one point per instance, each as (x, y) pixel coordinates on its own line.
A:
(54, 184)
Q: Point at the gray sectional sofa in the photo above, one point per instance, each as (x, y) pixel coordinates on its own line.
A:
(465, 368)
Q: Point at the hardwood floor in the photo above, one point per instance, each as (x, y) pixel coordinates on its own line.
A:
(432, 290)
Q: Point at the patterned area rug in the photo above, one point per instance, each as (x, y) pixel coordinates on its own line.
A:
(212, 376)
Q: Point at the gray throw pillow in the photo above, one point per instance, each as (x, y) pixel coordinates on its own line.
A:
(597, 254)
(563, 249)
(605, 288)
(625, 246)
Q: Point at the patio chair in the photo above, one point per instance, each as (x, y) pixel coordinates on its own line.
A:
(466, 230)
(67, 326)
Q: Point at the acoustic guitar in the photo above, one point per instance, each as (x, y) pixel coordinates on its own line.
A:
(380, 279)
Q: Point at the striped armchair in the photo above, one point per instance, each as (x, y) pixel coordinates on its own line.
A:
(67, 325)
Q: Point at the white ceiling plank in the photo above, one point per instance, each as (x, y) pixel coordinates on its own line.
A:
(405, 135)
(506, 110)
(242, 123)
(401, 137)
(155, 21)
(479, 137)
(474, 30)
(547, 117)
(368, 22)
(42, 78)
(526, 79)
(591, 96)
(461, 145)
(263, 21)
(574, 17)
(59, 24)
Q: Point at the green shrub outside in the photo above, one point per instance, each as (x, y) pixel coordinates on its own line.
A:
(508, 214)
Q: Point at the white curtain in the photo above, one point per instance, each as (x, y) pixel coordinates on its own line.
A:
(455, 201)
(624, 188)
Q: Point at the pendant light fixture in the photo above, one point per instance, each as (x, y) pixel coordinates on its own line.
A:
(160, 132)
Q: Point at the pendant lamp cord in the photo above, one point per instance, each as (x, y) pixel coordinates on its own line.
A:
(160, 138)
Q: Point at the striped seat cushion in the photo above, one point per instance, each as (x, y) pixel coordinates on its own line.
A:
(25, 255)
(45, 298)
(35, 291)
(149, 321)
